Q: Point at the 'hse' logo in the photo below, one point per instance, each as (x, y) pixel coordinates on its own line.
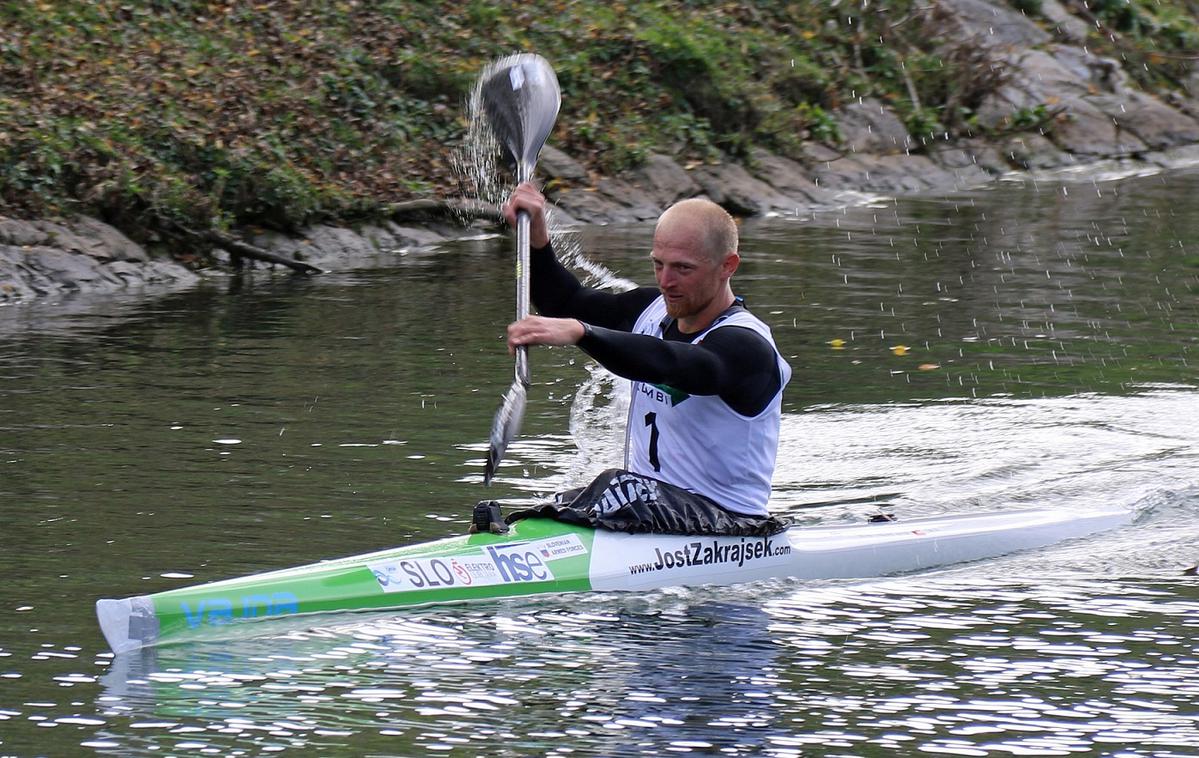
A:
(517, 563)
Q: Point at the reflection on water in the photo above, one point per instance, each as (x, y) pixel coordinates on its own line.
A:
(1023, 345)
(960, 664)
(590, 672)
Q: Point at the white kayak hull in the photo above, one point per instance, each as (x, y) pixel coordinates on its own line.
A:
(541, 556)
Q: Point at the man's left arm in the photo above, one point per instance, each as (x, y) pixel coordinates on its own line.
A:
(736, 363)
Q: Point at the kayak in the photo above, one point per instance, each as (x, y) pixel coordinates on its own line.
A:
(541, 557)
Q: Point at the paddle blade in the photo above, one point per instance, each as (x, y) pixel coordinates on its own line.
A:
(521, 99)
(505, 427)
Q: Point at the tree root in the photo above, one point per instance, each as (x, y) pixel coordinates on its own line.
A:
(242, 249)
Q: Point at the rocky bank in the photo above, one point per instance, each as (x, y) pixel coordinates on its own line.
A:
(1055, 105)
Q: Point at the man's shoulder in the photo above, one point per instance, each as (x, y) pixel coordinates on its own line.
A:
(741, 337)
(738, 323)
(740, 316)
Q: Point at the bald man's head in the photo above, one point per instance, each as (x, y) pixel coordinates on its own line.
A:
(714, 229)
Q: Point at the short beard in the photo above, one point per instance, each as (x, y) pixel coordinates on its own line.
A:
(679, 310)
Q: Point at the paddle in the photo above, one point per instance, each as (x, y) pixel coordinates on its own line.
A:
(521, 99)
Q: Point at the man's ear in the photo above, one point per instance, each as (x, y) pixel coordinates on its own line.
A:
(729, 266)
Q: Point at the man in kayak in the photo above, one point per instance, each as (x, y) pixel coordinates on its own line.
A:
(707, 377)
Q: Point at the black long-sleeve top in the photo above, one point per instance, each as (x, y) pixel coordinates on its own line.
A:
(733, 362)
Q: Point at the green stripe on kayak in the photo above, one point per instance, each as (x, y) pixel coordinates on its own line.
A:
(537, 556)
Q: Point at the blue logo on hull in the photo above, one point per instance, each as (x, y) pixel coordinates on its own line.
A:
(215, 611)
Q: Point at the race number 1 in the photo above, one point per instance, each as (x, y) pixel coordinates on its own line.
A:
(651, 420)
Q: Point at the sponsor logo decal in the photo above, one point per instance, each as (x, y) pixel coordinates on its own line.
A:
(519, 563)
(624, 489)
(215, 611)
(561, 547)
(662, 393)
(498, 564)
(713, 552)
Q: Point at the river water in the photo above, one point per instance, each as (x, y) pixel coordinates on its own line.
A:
(1030, 344)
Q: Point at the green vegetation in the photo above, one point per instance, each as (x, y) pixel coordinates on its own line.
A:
(1157, 42)
(279, 113)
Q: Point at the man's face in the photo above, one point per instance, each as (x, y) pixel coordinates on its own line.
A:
(687, 278)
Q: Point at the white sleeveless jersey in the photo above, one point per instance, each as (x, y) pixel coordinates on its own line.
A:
(698, 442)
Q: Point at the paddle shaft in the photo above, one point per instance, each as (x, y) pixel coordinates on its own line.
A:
(524, 173)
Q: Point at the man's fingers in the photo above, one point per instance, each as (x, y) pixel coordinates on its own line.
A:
(524, 197)
(538, 330)
(529, 331)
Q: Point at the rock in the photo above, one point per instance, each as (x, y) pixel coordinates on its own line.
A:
(786, 176)
(867, 126)
(1091, 73)
(65, 270)
(41, 269)
(20, 233)
(1190, 96)
(558, 165)
(127, 271)
(1068, 83)
(558, 219)
(337, 248)
(275, 242)
(971, 152)
(1085, 130)
(1035, 152)
(1064, 26)
(155, 272)
(338, 241)
(1152, 122)
(610, 200)
(380, 237)
(51, 234)
(631, 203)
(445, 230)
(1186, 156)
(815, 152)
(838, 174)
(1035, 78)
(891, 174)
(16, 282)
(74, 271)
(989, 24)
(740, 193)
(999, 110)
(1047, 77)
(665, 181)
(83, 234)
(587, 205)
(60, 237)
(966, 166)
(110, 243)
(411, 236)
(92, 238)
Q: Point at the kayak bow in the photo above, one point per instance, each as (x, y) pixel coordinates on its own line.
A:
(541, 556)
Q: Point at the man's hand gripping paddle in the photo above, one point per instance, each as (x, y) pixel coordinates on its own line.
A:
(521, 99)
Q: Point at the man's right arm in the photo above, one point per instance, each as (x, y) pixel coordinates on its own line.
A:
(558, 293)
